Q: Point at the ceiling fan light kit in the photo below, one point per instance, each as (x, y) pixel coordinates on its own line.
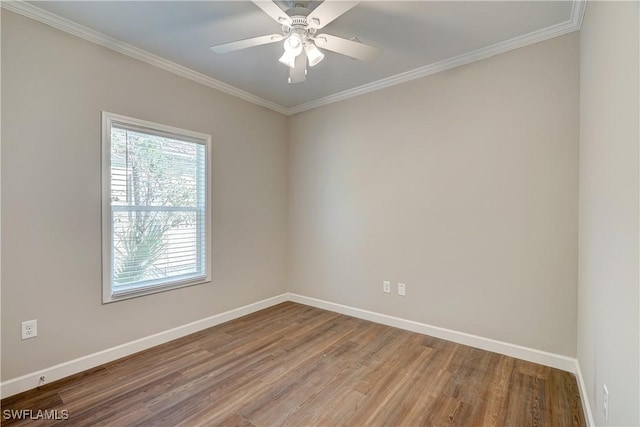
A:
(299, 27)
(293, 46)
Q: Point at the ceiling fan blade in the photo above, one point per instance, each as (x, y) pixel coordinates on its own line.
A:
(272, 9)
(243, 44)
(346, 47)
(298, 74)
(327, 11)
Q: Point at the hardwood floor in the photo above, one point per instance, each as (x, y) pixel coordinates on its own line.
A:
(296, 365)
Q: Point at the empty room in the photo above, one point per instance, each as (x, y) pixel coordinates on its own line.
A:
(319, 213)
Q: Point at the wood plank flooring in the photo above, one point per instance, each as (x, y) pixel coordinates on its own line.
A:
(295, 365)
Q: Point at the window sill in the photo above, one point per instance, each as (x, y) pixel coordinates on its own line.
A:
(134, 292)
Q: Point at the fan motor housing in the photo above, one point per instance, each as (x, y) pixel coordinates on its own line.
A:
(299, 23)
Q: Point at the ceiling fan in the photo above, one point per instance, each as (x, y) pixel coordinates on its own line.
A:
(300, 27)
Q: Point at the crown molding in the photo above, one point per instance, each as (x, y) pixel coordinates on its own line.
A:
(577, 12)
(41, 15)
(573, 24)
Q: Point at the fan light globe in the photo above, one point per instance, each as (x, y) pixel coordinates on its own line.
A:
(313, 54)
(288, 59)
(293, 43)
(292, 48)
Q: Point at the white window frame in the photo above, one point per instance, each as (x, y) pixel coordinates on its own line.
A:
(108, 119)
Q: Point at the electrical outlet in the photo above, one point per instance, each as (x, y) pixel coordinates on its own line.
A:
(605, 401)
(386, 287)
(29, 329)
(402, 289)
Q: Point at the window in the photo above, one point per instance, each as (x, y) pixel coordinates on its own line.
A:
(155, 207)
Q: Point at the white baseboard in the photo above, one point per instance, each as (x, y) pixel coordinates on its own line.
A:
(30, 381)
(525, 353)
(584, 397)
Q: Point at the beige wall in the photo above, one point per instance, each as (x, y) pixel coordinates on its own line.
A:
(54, 87)
(608, 313)
(463, 185)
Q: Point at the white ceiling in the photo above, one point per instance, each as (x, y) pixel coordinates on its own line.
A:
(417, 38)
